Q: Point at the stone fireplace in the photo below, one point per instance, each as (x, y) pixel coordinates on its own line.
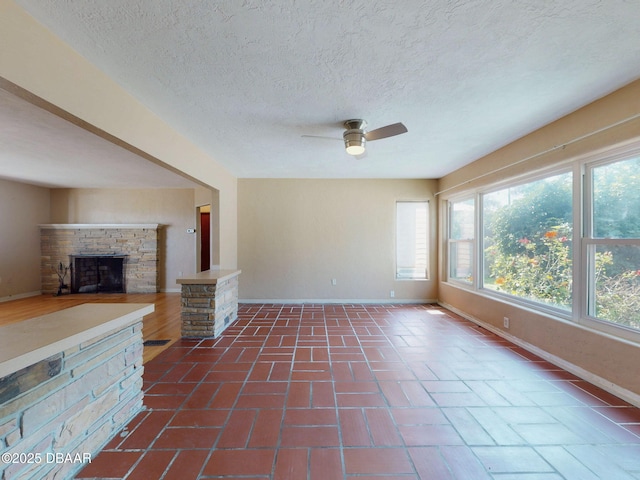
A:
(111, 257)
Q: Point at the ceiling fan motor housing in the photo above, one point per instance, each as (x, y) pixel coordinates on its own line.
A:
(355, 124)
(354, 140)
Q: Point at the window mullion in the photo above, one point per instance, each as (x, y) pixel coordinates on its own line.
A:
(581, 219)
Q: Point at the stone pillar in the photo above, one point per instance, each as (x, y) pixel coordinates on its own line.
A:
(208, 307)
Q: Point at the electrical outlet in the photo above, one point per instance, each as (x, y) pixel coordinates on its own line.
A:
(505, 321)
(392, 293)
(334, 281)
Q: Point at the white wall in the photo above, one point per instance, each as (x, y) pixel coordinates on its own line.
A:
(22, 208)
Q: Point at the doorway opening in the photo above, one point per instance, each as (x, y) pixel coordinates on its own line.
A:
(204, 238)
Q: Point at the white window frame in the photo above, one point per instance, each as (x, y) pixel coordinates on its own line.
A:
(456, 241)
(589, 243)
(583, 243)
(523, 180)
(417, 270)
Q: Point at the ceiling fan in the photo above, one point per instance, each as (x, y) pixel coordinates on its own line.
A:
(355, 136)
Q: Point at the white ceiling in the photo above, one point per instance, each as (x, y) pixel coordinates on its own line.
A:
(245, 80)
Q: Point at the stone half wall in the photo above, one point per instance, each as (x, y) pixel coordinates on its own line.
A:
(57, 414)
(208, 309)
(139, 242)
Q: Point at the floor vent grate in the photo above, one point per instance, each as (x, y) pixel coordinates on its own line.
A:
(155, 343)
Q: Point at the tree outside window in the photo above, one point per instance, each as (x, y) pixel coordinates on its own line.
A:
(614, 243)
(527, 250)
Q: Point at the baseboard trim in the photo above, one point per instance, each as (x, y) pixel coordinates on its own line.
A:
(614, 389)
(19, 296)
(333, 301)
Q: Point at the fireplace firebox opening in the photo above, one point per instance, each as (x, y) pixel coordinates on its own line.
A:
(98, 273)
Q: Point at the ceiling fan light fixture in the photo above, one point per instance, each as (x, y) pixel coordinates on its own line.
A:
(355, 135)
(354, 142)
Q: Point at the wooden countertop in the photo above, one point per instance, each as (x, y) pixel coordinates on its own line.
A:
(208, 277)
(31, 341)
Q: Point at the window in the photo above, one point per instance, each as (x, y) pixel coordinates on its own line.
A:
(567, 243)
(612, 242)
(461, 240)
(527, 241)
(412, 221)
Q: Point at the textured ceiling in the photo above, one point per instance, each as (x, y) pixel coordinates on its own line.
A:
(245, 80)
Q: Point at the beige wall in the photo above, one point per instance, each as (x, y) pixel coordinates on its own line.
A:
(595, 356)
(172, 208)
(42, 64)
(296, 235)
(22, 209)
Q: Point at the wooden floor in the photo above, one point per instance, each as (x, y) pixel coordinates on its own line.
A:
(162, 324)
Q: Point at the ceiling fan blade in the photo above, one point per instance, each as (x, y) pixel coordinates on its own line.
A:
(385, 132)
(321, 137)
